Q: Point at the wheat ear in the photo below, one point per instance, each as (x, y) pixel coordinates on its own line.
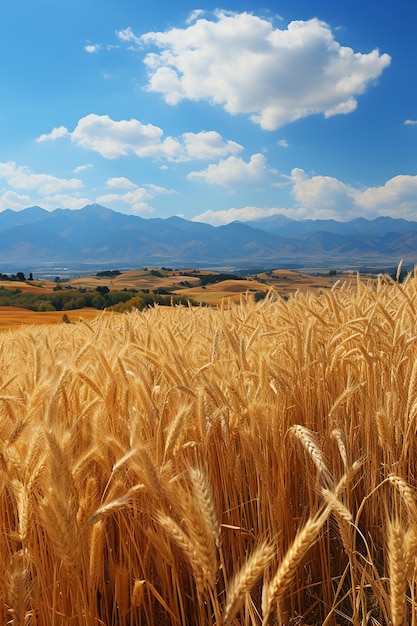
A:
(245, 579)
(138, 593)
(274, 591)
(407, 493)
(115, 505)
(194, 551)
(310, 445)
(204, 496)
(341, 444)
(397, 571)
(411, 552)
(96, 560)
(18, 589)
(343, 519)
(59, 517)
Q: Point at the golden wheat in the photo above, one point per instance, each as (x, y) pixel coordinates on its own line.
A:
(175, 465)
(397, 571)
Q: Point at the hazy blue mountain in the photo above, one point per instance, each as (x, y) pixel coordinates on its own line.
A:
(96, 235)
(9, 218)
(380, 226)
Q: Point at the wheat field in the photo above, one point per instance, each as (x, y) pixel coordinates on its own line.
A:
(250, 464)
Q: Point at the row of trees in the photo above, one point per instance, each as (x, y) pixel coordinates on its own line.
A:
(67, 300)
(19, 276)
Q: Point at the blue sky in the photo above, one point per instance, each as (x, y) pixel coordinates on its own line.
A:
(211, 111)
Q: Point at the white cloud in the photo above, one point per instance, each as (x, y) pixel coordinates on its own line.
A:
(324, 195)
(21, 178)
(241, 62)
(328, 197)
(56, 133)
(136, 198)
(92, 48)
(154, 189)
(113, 139)
(127, 36)
(15, 201)
(121, 182)
(410, 122)
(82, 168)
(397, 197)
(234, 171)
(208, 145)
(194, 15)
(283, 143)
(246, 214)
(64, 201)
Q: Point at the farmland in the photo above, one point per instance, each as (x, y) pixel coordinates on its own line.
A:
(44, 301)
(249, 463)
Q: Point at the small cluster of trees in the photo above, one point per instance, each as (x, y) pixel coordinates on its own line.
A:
(108, 273)
(18, 277)
(210, 279)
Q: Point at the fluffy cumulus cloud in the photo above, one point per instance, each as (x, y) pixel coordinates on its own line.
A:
(23, 188)
(56, 133)
(397, 197)
(245, 214)
(208, 145)
(241, 62)
(328, 197)
(22, 178)
(135, 199)
(13, 200)
(235, 172)
(64, 201)
(325, 195)
(121, 182)
(113, 139)
(92, 48)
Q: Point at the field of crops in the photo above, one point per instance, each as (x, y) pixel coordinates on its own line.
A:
(249, 464)
(12, 317)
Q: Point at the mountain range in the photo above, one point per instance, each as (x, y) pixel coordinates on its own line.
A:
(97, 236)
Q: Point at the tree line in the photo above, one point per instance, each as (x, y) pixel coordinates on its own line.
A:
(70, 299)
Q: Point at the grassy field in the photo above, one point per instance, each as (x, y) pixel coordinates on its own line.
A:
(240, 465)
(11, 316)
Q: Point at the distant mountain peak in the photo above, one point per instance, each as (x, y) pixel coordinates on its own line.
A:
(98, 235)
